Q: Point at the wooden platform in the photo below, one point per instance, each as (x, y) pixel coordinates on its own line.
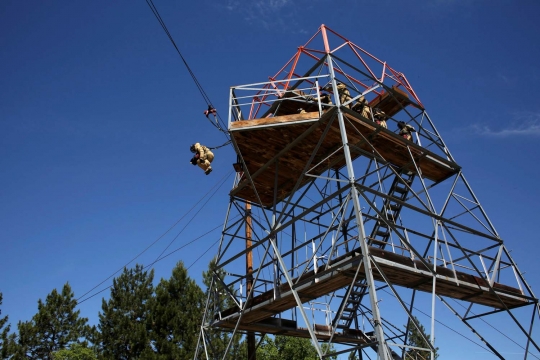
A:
(400, 270)
(261, 143)
(392, 101)
(286, 327)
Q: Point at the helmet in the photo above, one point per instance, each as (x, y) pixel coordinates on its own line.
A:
(401, 124)
(192, 148)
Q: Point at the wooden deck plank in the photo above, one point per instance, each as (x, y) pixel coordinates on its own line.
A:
(400, 270)
(392, 101)
(321, 331)
(260, 141)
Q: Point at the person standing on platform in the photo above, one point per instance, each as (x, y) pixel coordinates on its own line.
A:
(362, 107)
(326, 99)
(203, 157)
(406, 130)
(344, 94)
(380, 118)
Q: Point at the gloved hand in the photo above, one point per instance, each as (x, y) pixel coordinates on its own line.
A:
(193, 161)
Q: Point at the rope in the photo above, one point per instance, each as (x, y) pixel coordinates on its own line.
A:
(220, 124)
(220, 146)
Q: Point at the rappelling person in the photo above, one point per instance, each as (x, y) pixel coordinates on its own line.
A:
(203, 157)
(380, 117)
(406, 130)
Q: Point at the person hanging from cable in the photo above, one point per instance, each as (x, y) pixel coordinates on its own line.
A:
(202, 157)
(406, 130)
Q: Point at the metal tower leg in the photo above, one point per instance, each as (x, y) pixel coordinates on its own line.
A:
(377, 323)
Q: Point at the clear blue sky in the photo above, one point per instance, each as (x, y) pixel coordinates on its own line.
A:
(97, 113)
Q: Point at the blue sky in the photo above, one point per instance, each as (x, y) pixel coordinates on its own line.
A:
(97, 114)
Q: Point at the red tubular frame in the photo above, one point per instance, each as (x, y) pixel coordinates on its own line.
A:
(282, 79)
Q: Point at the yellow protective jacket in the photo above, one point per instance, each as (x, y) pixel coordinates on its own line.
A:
(406, 131)
(204, 153)
(362, 107)
(344, 94)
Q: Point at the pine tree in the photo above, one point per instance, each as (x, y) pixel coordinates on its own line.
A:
(4, 338)
(124, 325)
(55, 326)
(176, 315)
(415, 337)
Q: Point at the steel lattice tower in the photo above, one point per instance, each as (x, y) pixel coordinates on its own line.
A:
(337, 210)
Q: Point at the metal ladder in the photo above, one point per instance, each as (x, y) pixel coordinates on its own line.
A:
(391, 208)
(379, 237)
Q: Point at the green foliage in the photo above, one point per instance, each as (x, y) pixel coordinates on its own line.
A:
(5, 344)
(140, 322)
(55, 327)
(124, 325)
(176, 315)
(267, 350)
(289, 348)
(415, 337)
(75, 352)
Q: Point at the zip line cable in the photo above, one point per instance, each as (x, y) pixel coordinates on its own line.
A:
(220, 125)
(164, 27)
(172, 252)
(155, 241)
(161, 258)
(169, 254)
(207, 250)
(223, 179)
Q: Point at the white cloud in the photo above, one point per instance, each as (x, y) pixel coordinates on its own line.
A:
(507, 80)
(269, 14)
(524, 124)
(259, 7)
